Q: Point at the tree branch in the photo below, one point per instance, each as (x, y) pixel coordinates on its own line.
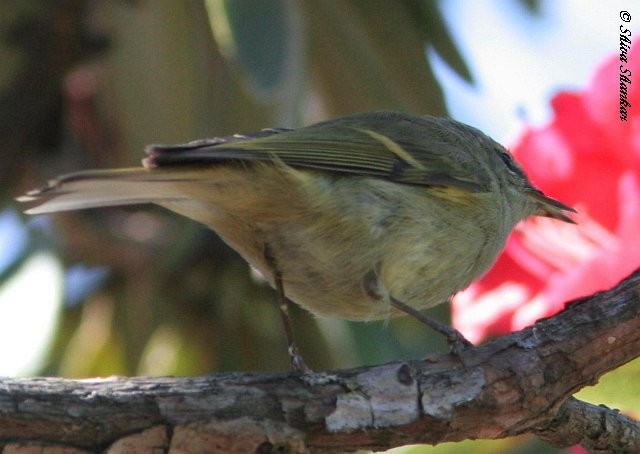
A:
(519, 383)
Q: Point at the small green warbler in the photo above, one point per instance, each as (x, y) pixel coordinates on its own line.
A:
(361, 217)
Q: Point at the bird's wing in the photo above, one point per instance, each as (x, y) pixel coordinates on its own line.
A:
(413, 150)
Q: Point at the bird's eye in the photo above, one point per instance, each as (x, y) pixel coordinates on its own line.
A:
(508, 161)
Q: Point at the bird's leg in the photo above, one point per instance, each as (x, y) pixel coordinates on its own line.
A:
(283, 305)
(456, 340)
(294, 356)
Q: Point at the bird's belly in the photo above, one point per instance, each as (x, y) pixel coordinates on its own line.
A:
(325, 235)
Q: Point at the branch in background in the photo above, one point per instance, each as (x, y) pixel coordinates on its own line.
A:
(519, 383)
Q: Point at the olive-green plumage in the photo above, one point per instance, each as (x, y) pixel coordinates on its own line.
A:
(423, 204)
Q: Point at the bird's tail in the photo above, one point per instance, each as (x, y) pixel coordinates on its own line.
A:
(97, 188)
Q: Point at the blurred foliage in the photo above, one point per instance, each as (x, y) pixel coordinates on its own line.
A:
(87, 84)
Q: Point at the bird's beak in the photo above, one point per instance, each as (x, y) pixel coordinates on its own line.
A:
(551, 208)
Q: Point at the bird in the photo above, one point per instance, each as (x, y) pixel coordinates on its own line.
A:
(362, 217)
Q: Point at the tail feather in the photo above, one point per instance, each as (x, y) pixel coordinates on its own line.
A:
(98, 188)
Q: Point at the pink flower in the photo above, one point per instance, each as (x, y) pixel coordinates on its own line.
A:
(586, 157)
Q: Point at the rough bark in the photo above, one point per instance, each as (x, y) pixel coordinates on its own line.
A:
(519, 383)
